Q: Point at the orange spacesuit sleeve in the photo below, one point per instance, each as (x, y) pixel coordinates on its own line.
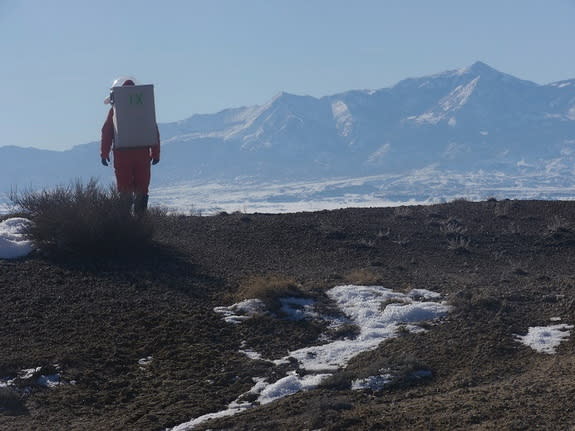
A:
(107, 136)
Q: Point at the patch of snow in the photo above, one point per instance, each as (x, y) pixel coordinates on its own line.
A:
(427, 117)
(405, 313)
(484, 133)
(379, 153)
(561, 84)
(343, 118)
(290, 385)
(458, 97)
(241, 311)
(452, 122)
(423, 293)
(5, 207)
(571, 113)
(252, 354)
(28, 373)
(448, 104)
(545, 339)
(297, 308)
(555, 319)
(523, 164)
(49, 381)
(144, 362)
(13, 243)
(6, 382)
(230, 411)
(375, 383)
(362, 304)
(234, 407)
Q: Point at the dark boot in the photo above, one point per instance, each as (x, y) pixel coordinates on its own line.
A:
(140, 205)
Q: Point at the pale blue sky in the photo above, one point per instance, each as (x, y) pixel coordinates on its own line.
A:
(59, 57)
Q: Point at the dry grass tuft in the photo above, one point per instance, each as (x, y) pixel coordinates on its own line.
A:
(268, 288)
(459, 244)
(403, 212)
(558, 224)
(84, 219)
(362, 276)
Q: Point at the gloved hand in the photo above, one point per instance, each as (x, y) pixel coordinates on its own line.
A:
(105, 161)
(155, 161)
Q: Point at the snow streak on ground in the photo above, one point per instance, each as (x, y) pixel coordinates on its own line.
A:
(13, 243)
(31, 376)
(378, 312)
(241, 311)
(545, 339)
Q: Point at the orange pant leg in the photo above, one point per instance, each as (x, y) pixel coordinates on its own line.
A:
(132, 169)
(141, 172)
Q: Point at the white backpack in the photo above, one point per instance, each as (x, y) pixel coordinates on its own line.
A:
(134, 116)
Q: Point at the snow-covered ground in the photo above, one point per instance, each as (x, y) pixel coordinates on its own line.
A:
(13, 243)
(424, 186)
(203, 198)
(377, 311)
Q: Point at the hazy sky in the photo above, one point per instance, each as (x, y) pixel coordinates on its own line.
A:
(59, 57)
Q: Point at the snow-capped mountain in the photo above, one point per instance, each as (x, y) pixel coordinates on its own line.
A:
(470, 118)
(474, 119)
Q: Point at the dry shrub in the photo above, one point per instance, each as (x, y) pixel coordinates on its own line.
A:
(403, 212)
(84, 219)
(558, 224)
(363, 277)
(502, 208)
(459, 244)
(268, 288)
(452, 227)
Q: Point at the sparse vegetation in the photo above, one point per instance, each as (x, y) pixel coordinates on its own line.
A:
(557, 224)
(459, 244)
(362, 276)
(381, 234)
(403, 212)
(268, 288)
(452, 227)
(84, 219)
(502, 208)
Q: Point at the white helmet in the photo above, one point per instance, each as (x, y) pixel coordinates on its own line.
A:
(119, 82)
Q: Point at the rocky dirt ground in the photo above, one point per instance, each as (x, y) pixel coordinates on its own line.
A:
(504, 266)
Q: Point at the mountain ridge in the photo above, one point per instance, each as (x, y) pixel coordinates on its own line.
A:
(462, 120)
